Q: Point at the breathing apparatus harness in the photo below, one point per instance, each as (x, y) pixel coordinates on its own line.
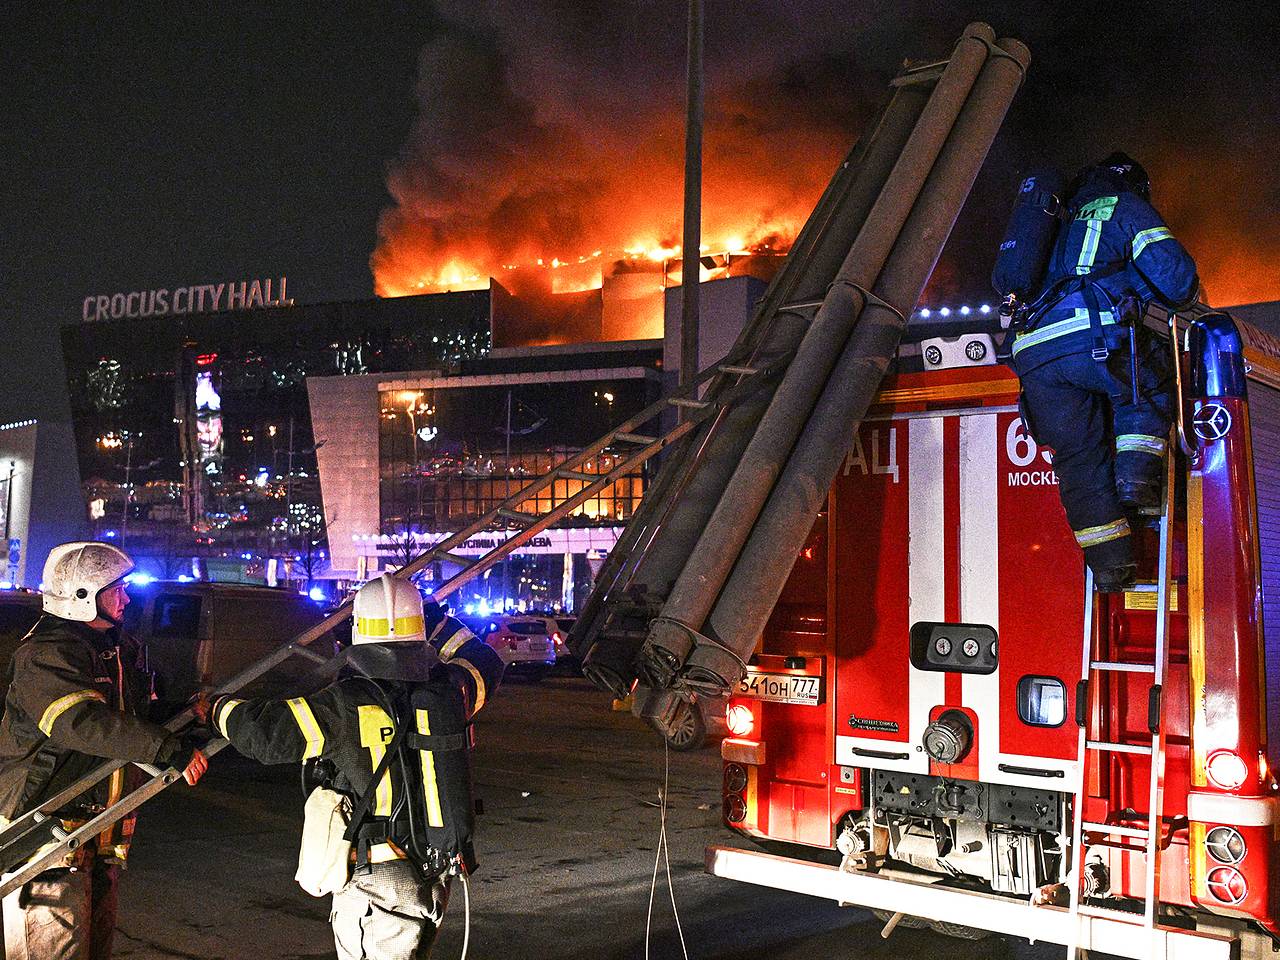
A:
(1019, 317)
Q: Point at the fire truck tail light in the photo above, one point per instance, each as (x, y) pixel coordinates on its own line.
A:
(735, 808)
(1226, 770)
(1227, 885)
(1226, 845)
(740, 720)
(735, 778)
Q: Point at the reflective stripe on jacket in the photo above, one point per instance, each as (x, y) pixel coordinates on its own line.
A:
(76, 695)
(350, 723)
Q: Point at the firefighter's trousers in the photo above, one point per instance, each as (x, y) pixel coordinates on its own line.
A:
(1084, 409)
(389, 914)
(63, 915)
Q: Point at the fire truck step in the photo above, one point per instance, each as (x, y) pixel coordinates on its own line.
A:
(689, 402)
(1143, 588)
(1113, 913)
(740, 371)
(1115, 830)
(1120, 666)
(1107, 746)
(637, 438)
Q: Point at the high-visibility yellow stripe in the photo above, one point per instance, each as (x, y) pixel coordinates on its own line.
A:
(381, 626)
(376, 731)
(475, 675)
(458, 638)
(311, 731)
(224, 714)
(63, 704)
(1089, 248)
(1102, 533)
(430, 788)
(1144, 238)
(1140, 443)
(1073, 324)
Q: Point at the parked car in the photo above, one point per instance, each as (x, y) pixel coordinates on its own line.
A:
(526, 644)
(199, 635)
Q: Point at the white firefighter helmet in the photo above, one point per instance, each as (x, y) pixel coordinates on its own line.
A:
(76, 573)
(388, 610)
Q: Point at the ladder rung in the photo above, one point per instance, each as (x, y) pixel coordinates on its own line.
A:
(1108, 747)
(508, 514)
(1115, 830)
(741, 371)
(1119, 666)
(637, 438)
(688, 402)
(149, 769)
(578, 475)
(800, 306)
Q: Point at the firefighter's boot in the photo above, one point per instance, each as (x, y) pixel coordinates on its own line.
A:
(1139, 496)
(1111, 560)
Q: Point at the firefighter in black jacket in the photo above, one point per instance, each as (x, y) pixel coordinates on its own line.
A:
(420, 818)
(1112, 256)
(78, 691)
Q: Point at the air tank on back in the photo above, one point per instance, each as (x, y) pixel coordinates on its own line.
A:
(1028, 240)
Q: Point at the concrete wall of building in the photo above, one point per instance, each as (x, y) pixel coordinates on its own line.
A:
(724, 305)
(344, 418)
(40, 487)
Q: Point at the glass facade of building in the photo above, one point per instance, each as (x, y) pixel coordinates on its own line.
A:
(193, 431)
(451, 451)
(449, 455)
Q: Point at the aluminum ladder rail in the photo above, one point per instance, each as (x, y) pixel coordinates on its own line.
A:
(38, 828)
(1143, 840)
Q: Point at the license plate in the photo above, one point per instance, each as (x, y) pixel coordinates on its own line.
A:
(781, 688)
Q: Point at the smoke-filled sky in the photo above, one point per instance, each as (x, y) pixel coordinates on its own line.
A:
(151, 145)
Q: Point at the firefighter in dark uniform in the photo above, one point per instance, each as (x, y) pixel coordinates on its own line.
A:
(417, 831)
(1112, 256)
(78, 691)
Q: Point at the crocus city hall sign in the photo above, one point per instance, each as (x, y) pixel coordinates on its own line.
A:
(200, 298)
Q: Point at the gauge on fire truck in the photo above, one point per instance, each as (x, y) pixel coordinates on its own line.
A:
(958, 647)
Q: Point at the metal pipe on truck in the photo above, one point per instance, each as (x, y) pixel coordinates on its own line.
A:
(638, 575)
(672, 635)
(762, 568)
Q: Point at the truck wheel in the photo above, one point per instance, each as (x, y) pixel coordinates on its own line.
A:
(959, 931)
(688, 730)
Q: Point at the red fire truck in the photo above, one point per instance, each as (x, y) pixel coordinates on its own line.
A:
(929, 728)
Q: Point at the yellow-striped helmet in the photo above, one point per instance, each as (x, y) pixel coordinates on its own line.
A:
(388, 610)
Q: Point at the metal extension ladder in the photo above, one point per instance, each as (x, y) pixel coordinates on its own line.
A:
(1086, 834)
(38, 830)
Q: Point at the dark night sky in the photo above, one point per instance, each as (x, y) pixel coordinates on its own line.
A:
(163, 148)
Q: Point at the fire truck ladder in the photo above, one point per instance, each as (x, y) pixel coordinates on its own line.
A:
(39, 841)
(1095, 753)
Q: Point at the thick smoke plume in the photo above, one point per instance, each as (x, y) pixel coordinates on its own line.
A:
(552, 131)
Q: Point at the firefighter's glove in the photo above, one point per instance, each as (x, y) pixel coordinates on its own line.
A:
(199, 706)
(183, 753)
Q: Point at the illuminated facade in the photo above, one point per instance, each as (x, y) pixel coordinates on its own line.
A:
(193, 431)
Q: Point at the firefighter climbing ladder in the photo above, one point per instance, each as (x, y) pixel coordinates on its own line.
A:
(1086, 834)
(38, 831)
